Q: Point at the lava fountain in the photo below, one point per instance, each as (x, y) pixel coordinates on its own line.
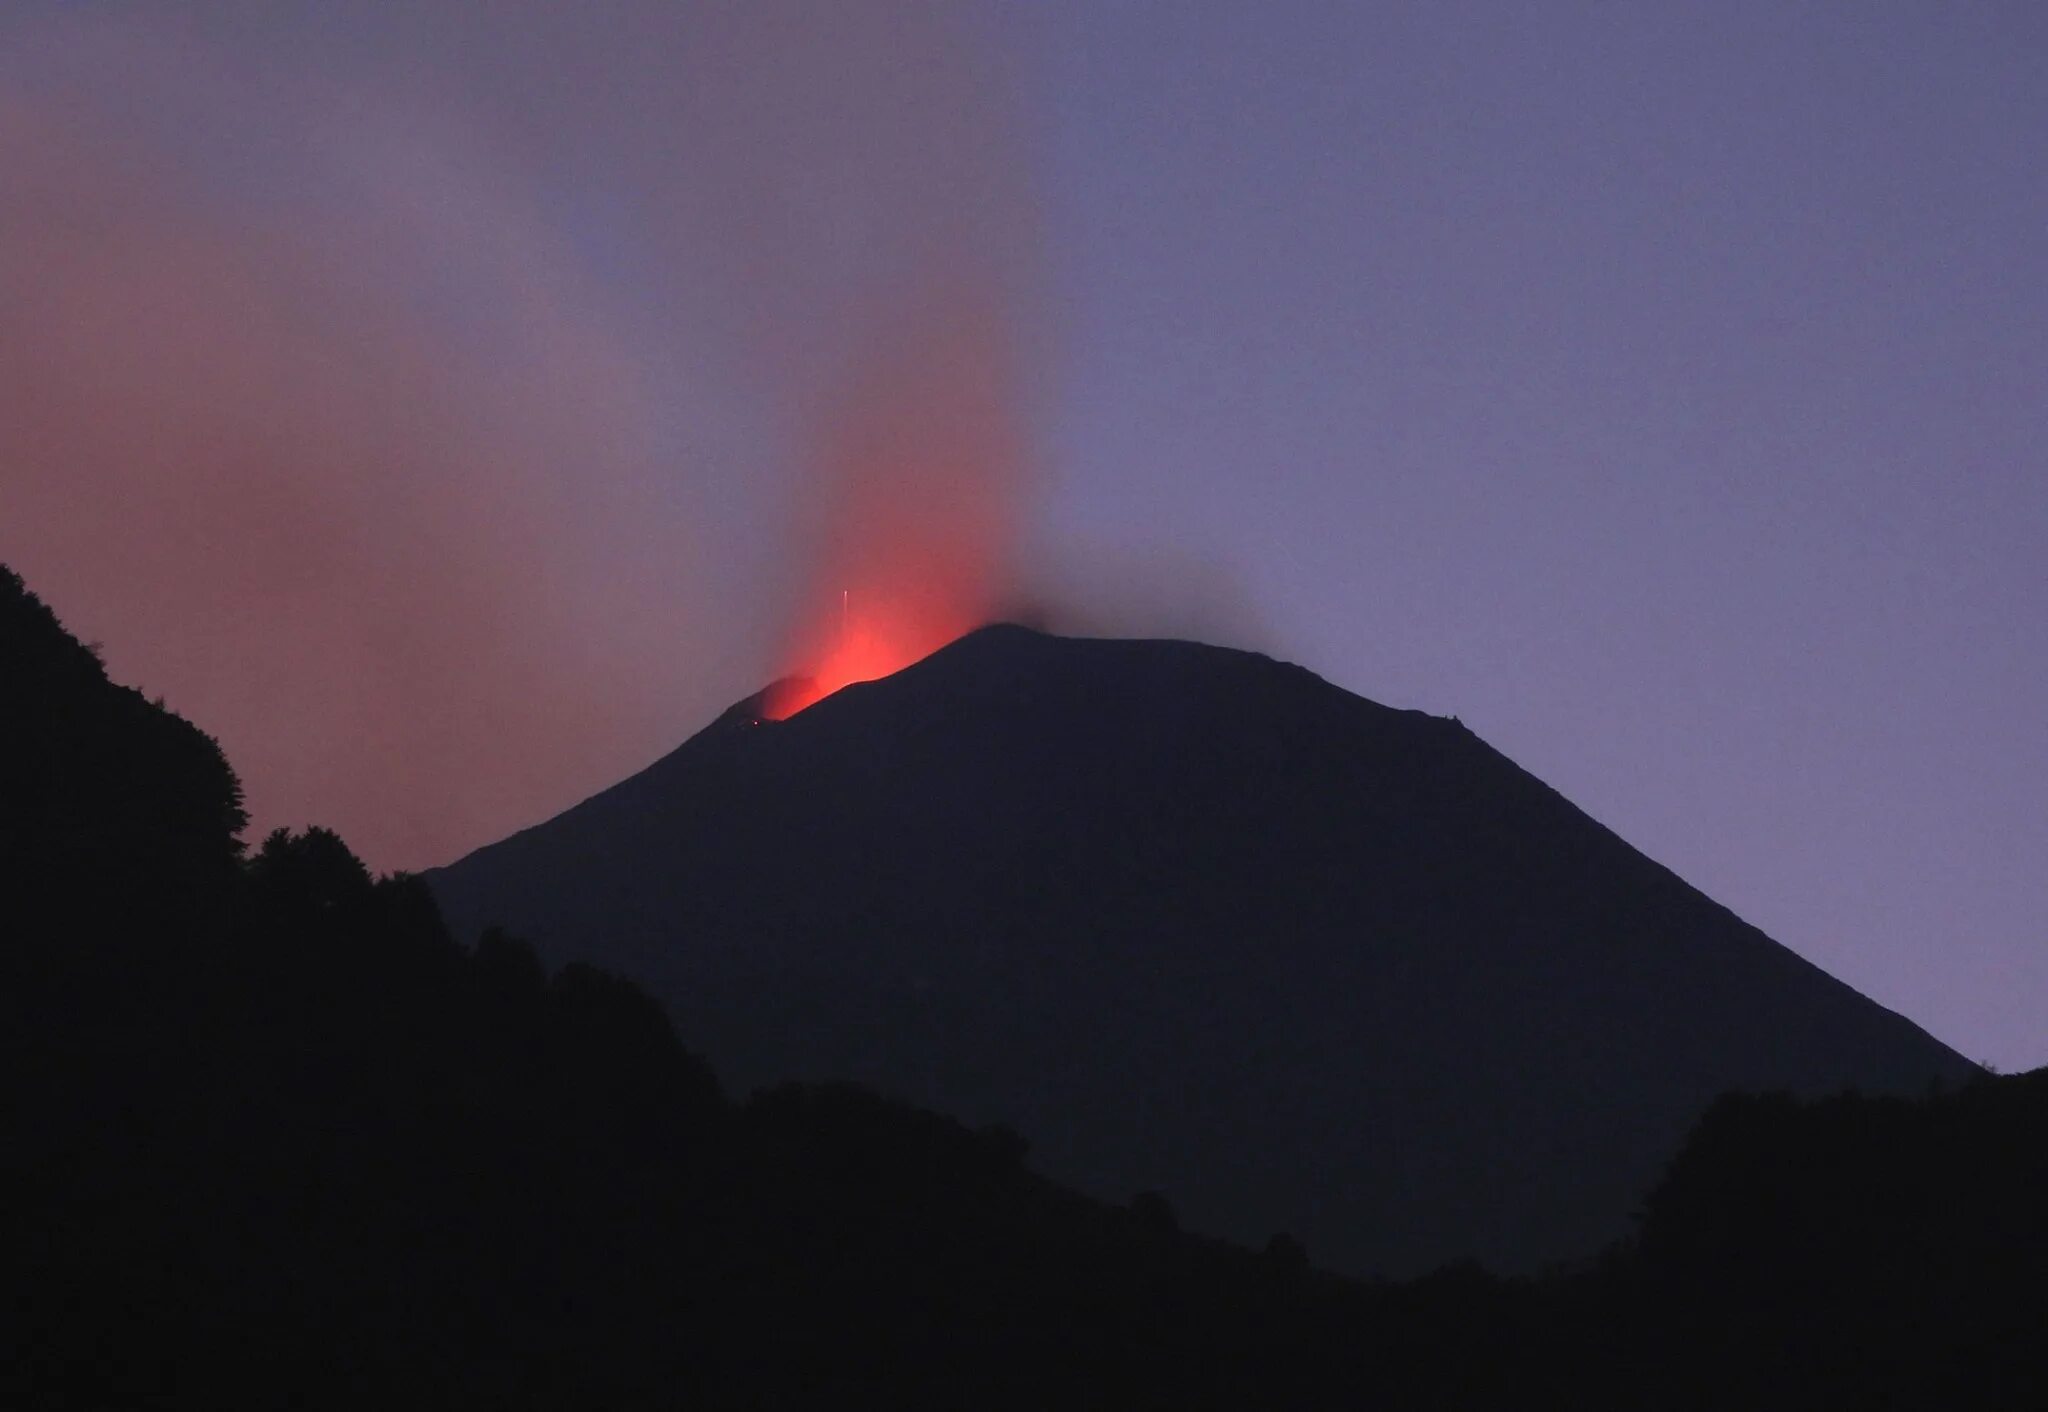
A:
(922, 467)
(865, 648)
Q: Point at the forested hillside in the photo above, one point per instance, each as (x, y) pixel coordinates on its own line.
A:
(273, 1137)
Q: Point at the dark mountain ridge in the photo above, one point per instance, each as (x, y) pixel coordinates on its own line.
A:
(1198, 922)
(270, 1136)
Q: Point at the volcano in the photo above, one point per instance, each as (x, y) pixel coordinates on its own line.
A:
(1197, 922)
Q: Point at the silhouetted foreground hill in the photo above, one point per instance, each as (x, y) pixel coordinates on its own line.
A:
(271, 1139)
(1197, 921)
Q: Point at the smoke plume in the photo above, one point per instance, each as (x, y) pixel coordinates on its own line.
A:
(451, 410)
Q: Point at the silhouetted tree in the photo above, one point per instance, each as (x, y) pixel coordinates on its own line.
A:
(270, 1133)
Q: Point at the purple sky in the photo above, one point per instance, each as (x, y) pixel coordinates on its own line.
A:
(1662, 389)
(1659, 388)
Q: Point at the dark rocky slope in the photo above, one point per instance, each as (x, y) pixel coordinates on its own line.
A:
(1196, 921)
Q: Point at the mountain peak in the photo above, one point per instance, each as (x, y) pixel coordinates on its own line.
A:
(1200, 922)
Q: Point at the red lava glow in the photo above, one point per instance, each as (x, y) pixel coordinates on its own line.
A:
(348, 384)
(873, 641)
(917, 472)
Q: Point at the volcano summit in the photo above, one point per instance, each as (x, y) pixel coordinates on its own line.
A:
(1196, 922)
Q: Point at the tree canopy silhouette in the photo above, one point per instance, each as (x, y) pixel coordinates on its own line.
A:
(272, 1135)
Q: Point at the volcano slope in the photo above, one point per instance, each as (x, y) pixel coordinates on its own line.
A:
(1195, 922)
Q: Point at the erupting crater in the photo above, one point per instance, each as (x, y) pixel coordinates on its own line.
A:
(867, 642)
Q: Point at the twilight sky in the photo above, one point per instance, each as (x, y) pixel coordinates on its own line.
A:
(451, 407)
